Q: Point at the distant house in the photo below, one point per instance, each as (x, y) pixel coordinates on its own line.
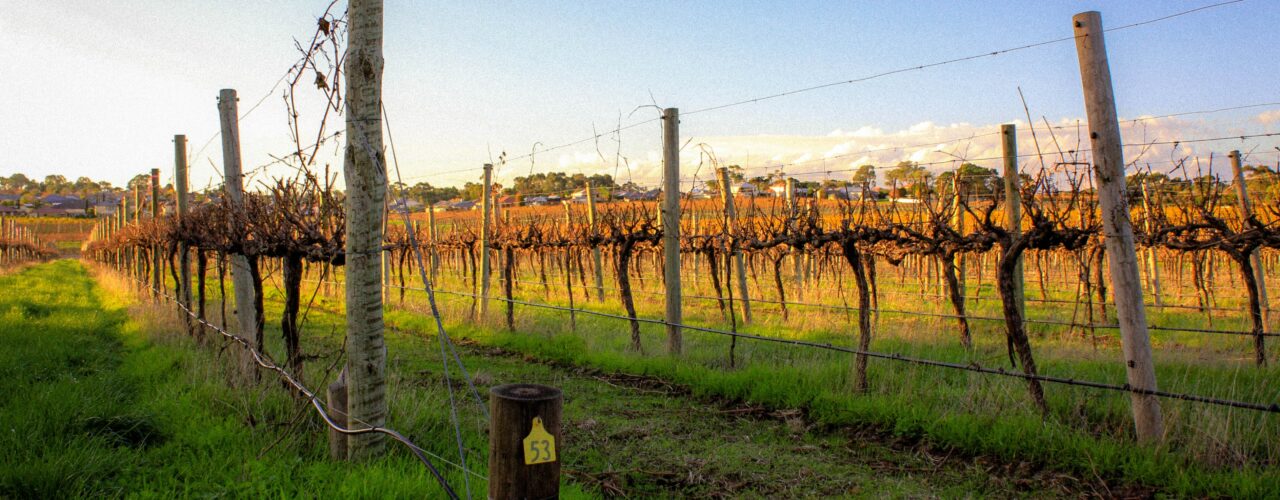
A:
(57, 198)
(7, 199)
(508, 201)
(745, 189)
(537, 201)
(48, 211)
(406, 205)
(700, 192)
(9, 210)
(639, 195)
(779, 189)
(843, 193)
(464, 205)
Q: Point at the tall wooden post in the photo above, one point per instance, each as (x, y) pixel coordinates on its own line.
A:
(1153, 264)
(740, 265)
(1013, 205)
(1246, 211)
(796, 257)
(435, 255)
(957, 223)
(122, 220)
(671, 225)
(525, 443)
(157, 274)
(233, 187)
(1108, 163)
(384, 256)
(181, 187)
(486, 208)
(138, 259)
(595, 251)
(364, 168)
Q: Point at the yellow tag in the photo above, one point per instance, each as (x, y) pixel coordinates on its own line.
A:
(539, 445)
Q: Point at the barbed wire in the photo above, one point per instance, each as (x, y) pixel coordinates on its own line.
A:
(311, 397)
(972, 367)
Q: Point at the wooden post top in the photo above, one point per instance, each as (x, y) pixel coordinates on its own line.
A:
(526, 392)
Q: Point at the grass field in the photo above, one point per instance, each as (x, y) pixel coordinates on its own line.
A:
(1209, 450)
(112, 401)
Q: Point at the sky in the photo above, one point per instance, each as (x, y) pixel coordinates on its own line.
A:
(99, 89)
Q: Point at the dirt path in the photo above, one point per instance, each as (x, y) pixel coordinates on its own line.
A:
(630, 436)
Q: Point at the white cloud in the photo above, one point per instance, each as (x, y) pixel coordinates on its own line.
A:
(1269, 117)
(941, 147)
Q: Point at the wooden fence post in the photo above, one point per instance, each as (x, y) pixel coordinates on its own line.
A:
(122, 220)
(137, 219)
(157, 274)
(731, 215)
(1153, 264)
(384, 256)
(435, 253)
(364, 169)
(797, 257)
(957, 222)
(337, 397)
(595, 251)
(671, 225)
(486, 208)
(1108, 163)
(1246, 211)
(180, 187)
(1013, 206)
(524, 441)
(233, 186)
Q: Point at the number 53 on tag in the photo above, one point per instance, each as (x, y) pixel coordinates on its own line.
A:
(539, 445)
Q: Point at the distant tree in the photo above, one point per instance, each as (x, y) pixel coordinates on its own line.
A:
(140, 181)
(865, 176)
(559, 183)
(974, 180)
(429, 194)
(15, 182)
(472, 191)
(910, 175)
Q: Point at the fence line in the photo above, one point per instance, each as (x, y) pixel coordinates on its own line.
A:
(973, 367)
(945, 315)
(311, 397)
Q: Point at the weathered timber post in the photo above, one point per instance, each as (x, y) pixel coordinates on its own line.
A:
(1153, 264)
(486, 208)
(671, 225)
(1013, 206)
(233, 186)
(595, 251)
(138, 258)
(1246, 211)
(337, 396)
(730, 216)
(180, 187)
(1108, 163)
(435, 253)
(796, 257)
(157, 277)
(957, 222)
(384, 256)
(364, 169)
(122, 220)
(524, 441)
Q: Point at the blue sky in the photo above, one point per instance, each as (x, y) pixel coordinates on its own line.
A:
(99, 88)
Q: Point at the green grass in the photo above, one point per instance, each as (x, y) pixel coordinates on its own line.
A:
(1208, 451)
(106, 400)
(97, 406)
